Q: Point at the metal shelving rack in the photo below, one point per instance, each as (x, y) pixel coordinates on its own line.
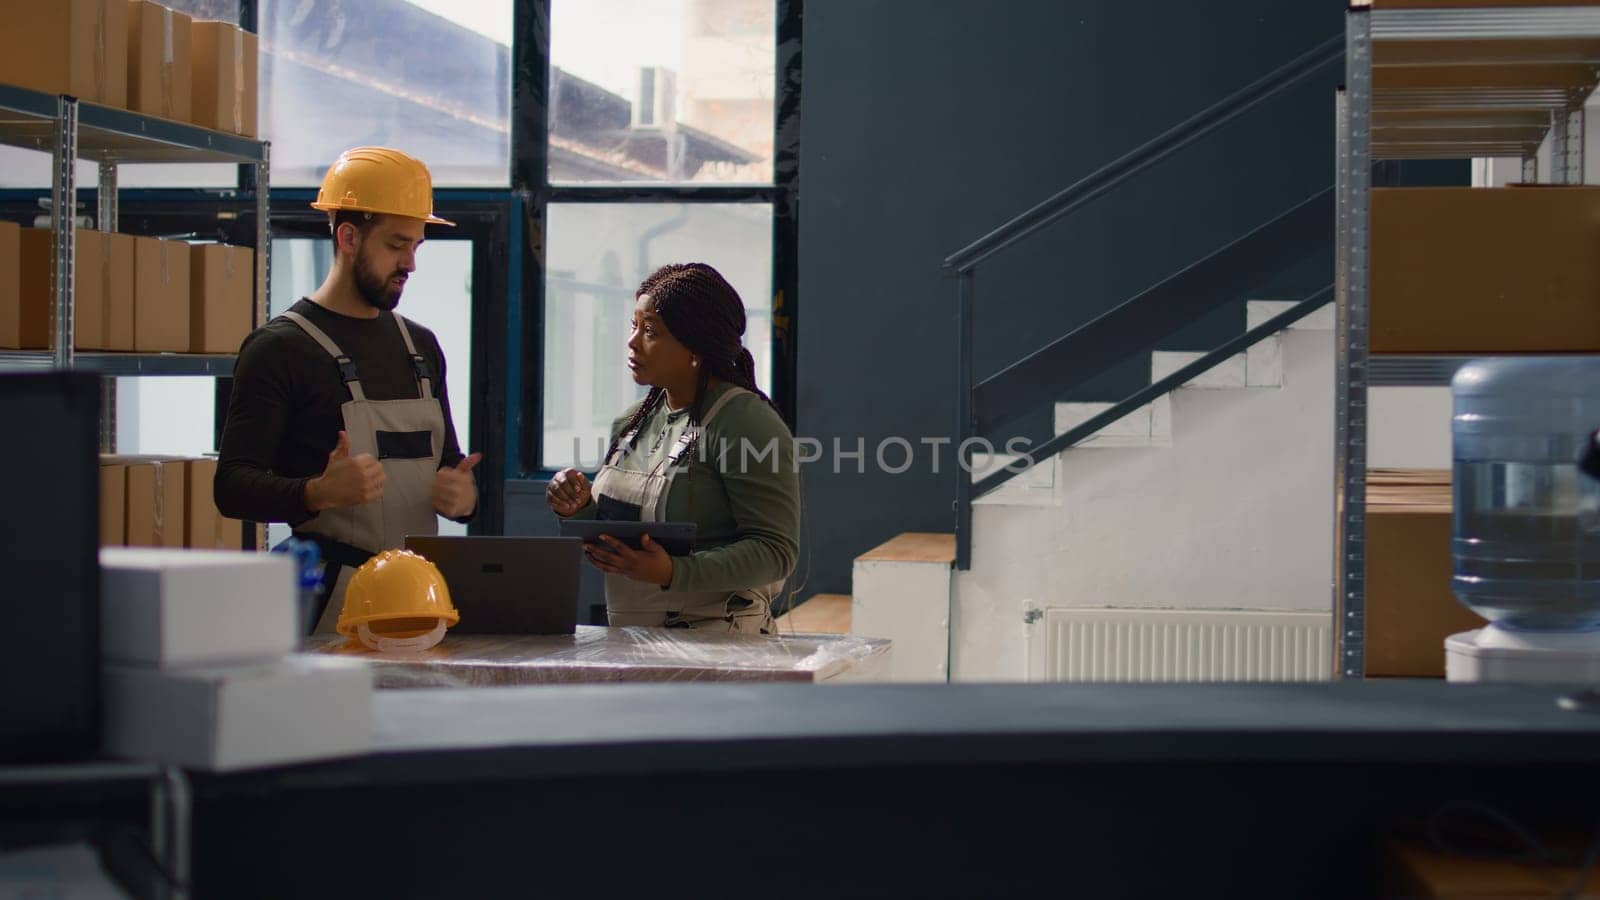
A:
(171, 806)
(1428, 83)
(70, 130)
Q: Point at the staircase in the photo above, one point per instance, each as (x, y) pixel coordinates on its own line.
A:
(1179, 533)
(1158, 513)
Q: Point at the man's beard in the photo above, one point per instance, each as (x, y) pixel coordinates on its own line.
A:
(375, 288)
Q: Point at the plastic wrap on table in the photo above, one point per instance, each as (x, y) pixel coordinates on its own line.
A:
(596, 654)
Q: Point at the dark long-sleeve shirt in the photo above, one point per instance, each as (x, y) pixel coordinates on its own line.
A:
(284, 417)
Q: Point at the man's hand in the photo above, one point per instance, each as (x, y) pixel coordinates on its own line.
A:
(567, 492)
(650, 565)
(455, 494)
(346, 481)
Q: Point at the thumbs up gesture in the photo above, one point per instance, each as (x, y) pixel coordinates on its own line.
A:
(346, 481)
(455, 494)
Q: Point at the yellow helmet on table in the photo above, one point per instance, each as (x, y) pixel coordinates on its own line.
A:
(378, 180)
(397, 602)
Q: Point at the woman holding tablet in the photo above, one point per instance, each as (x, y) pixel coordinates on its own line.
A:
(704, 446)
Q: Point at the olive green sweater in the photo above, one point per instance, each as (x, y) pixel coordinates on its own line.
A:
(739, 485)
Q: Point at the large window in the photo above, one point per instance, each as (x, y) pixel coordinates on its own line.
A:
(675, 100)
(598, 254)
(661, 90)
(431, 77)
(655, 139)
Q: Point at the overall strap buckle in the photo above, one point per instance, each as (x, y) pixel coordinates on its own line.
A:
(419, 365)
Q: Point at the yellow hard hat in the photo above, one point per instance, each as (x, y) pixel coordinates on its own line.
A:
(379, 180)
(397, 601)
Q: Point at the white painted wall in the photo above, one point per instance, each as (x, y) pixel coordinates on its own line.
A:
(908, 603)
(1236, 514)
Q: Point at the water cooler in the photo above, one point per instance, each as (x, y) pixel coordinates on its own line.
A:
(1526, 531)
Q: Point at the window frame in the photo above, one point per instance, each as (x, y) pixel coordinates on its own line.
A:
(530, 138)
(508, 297)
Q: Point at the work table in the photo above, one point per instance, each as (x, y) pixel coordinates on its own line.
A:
(894, 790)
(597, 654)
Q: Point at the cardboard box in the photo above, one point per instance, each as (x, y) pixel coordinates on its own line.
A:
(113, 504)
(91, 276)
(155, 504)
(26, 326)
(1410, 606)
(160, 295)
(10, 284)
(196, 607)
(225, 74)
(250, 85)
(158, 49)
(1485, 270)
(205, 526)
(200, 516)
(231, 535)
(222, 297)
(118, 292)
(224, 719)
(66, 47)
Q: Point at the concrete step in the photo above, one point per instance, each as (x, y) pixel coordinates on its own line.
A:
(900, 590)
(1035, 487)
(1230, 373)
(1257, 312)
(1148, 426)
(821, 614)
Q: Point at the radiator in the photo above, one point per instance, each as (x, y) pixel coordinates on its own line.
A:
(1176, 645)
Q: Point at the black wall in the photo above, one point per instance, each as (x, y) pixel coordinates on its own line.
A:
(925, 126)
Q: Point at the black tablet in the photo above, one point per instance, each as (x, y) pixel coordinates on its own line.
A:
(677, 538)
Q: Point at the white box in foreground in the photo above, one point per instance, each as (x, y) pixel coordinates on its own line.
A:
(239, 717)
(189, 607)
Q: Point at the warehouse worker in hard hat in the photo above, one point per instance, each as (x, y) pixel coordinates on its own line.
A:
(338, 423)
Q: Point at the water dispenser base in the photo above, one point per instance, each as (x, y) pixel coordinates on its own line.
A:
(1494, 655)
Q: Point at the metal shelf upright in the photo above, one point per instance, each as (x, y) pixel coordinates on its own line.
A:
(1431, 83)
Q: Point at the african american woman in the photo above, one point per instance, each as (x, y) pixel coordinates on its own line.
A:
(704, 446)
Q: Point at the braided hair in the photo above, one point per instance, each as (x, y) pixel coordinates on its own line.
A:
(705, 314)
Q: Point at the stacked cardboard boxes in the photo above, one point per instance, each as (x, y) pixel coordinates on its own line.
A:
(163, 501)
(129, 293)
(133, 54)
(102, 310)
(76, 47)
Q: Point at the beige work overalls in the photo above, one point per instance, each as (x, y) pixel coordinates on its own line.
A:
(630, 602)
(407, 437)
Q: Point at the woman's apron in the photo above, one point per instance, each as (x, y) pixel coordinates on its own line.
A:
(407, 437)
(642, 497)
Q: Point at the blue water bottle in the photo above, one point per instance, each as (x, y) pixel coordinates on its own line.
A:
(1526, 554)
(308, 578)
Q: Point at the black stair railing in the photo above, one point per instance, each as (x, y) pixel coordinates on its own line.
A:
(1136, 324)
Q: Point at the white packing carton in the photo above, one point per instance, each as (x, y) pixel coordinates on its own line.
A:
(220, 719)
(195, 607)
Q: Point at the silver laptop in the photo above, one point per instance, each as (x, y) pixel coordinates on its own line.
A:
(508, 585)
